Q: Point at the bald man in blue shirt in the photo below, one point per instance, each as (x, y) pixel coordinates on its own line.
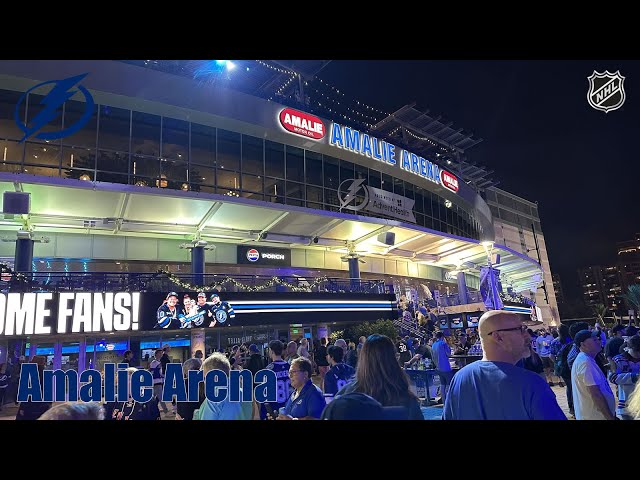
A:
(494, 388)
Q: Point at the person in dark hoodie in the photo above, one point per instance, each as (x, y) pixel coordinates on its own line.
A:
(185, 409)
(32, 410)
(130, 409)
(4, 382)
(256, 361)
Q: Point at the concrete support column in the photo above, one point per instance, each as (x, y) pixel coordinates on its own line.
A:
(462, 289)
(197, 265)
(24, 255)
(354, 272)
(82, 355)
(197, 341)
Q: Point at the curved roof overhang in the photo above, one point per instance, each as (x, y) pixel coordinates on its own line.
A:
(76, 206)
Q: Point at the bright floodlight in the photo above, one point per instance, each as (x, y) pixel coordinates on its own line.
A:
(487, 243)
(226, 63)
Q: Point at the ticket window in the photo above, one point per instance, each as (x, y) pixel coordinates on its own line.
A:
(70, 356)
(45, 350)
(180, 347)
(148, 346)
(103, 350)
(308, 334)
(211, 341)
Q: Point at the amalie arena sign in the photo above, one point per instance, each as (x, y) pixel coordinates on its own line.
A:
(302, 123)
(310, 126)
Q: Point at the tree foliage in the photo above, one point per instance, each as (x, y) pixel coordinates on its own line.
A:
(633, 296)
(380, 327)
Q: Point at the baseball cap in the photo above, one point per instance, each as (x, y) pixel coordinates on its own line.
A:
(359, 406)
(583, 335)
(172, 294)
(213, 295)
(202, 294)
(253, 348)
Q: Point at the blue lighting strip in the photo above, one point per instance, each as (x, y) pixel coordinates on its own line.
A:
(518, 310)
(305, 306)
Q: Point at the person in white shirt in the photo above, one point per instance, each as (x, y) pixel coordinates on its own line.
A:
(155, 367)
(592, 395)
(543, 343)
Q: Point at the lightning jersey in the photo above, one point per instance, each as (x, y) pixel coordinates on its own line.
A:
(167, 318)
(283, 387)
(196, 317)
(222, 312)
(337, 377)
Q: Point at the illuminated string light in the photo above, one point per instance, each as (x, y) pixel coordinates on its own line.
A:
(281, 70)
(217, 285)
(336, 102)
(358, 102)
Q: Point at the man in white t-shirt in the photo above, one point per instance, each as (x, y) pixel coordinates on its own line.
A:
(543, 344)
(592, 395)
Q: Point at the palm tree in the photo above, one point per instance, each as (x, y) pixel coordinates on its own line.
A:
(600, 310)
(633, 296)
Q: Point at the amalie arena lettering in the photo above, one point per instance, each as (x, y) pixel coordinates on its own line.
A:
(302, 123)
(364, 144)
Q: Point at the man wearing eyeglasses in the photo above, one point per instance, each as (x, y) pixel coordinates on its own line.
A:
(306, 402)
(494, 388)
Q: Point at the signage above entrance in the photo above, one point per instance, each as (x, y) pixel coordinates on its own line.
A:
(279, 257)
(364, 144)
(302, 123)
(356, 196)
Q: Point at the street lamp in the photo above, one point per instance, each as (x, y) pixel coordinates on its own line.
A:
(488, 248)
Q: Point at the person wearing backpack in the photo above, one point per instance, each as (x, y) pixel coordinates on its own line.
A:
(560, 348)
(155, 367)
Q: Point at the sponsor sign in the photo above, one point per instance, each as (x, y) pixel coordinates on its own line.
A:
(280, 257)
(302, 123)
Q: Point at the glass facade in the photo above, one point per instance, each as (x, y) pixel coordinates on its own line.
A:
(512, 210)
(136, 148)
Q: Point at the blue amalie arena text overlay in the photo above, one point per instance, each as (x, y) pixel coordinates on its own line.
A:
(60, 385)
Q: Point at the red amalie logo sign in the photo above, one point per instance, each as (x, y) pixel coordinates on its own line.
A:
(302, 123)
(449, 180)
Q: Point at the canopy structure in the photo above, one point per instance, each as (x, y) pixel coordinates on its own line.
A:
(77, 206)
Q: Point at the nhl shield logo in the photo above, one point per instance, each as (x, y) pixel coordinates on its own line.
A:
(606, 91)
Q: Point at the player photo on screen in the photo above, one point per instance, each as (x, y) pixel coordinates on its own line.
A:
(193, 313)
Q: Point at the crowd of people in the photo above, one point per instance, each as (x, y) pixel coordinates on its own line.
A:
(339, 379)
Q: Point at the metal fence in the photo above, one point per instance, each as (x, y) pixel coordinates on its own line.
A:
(160, 282)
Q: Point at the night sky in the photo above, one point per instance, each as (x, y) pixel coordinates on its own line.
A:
(542, 138)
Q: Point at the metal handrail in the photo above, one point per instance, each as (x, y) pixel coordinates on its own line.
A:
(159, 282)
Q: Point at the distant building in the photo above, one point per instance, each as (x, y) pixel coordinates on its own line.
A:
(590, 279)
(557, 288)
(602, 285)
(629, 259)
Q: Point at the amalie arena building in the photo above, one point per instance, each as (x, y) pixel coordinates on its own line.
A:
(123, 183)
